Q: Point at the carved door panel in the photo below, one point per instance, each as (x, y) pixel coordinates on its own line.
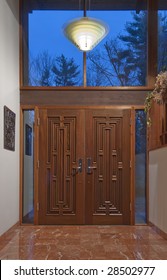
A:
(61, 181)
(84, 166)
(108, 167)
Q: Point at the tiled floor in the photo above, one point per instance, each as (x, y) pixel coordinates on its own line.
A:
(83, 242)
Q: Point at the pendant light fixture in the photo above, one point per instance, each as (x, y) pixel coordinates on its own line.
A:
(85, 32)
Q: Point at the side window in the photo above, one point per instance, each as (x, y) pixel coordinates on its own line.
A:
(28, 170)
(162, 35)
(140, 167)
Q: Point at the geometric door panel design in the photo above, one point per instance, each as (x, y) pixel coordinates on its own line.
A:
(61, 155)
(109, 156)
(84, 166)
(60, 187)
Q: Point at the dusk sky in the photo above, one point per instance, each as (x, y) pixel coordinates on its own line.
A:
(47, 34)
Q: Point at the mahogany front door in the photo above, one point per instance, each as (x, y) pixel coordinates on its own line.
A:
(61, 176)
(108, 167)
(84, 166)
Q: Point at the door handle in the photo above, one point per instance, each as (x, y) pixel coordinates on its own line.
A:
(77, 169)
(90, 167)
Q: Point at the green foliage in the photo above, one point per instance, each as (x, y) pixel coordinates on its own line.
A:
(159, 94)
(148, 103)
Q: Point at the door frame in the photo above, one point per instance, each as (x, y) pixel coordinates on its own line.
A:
(36, 155)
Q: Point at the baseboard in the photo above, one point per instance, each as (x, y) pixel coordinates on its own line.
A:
(158, 230)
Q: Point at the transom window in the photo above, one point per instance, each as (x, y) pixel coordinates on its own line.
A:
(120, 59)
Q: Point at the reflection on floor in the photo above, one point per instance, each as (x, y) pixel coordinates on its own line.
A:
(82, 242)
(29, 218)
(140, 211)
(140, 189)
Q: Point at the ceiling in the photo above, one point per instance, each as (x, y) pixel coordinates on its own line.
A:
(91, 4)
(134, 5)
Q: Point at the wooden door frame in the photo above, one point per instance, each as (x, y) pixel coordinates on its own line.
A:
(36, 154)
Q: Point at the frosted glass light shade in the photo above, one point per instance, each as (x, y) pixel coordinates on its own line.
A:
(85, 33)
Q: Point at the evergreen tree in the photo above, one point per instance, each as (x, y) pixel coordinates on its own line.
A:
(66, 71)
(123, 61)
(162, 42)
(136, 41)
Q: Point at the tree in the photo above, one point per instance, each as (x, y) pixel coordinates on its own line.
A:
(123, 61)
(66, 71)
(113, 65)
(41, 70)
(162, 39)
(97, 72)
(136, 41)
(95, 76)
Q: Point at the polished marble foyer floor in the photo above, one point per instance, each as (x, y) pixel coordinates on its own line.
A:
(83, 242)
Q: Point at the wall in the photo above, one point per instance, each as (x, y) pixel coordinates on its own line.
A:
(158, 188)
(9, 96)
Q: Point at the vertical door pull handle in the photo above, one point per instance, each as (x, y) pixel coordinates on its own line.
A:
(77, 169)
(79, 165)
(89, 166)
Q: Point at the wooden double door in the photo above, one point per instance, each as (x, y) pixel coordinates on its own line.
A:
(84, 170)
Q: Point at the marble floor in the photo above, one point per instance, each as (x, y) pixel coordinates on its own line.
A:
(82, 242)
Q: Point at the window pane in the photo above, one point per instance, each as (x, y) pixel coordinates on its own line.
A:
(140, 168)
(54, 61)
(49, 59)
(162, 36)
(121, 58)
(28, 171)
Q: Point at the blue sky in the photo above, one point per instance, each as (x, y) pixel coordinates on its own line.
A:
(46, 30)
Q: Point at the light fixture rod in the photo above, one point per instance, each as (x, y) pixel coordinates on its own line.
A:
(85, 7)
(84, 53)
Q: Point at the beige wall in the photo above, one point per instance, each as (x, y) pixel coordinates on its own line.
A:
(158, 188)
(9, 96)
